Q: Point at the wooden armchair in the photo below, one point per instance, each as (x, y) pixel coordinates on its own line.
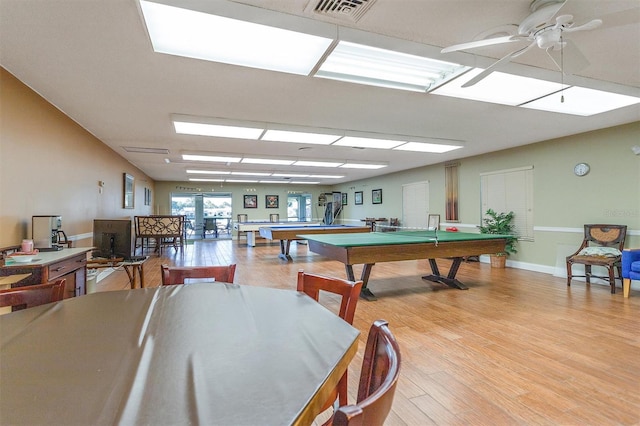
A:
(32, 295)
(378, 379)
(178, 274)
(312, 284)
(602, 246)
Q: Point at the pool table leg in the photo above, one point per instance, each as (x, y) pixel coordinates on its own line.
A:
(365, 293)
(284, 250)
(450, 279)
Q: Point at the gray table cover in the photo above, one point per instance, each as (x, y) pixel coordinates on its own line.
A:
(196, 354)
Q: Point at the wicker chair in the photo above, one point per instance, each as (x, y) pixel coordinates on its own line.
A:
(602, 246)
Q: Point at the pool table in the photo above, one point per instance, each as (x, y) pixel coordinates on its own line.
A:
(288, 233)
(250, 228)
(375, 247)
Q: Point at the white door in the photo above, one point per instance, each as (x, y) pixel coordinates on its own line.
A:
(415, 205)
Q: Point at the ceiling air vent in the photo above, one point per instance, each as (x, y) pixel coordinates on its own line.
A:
(145, 150)
(343, 9)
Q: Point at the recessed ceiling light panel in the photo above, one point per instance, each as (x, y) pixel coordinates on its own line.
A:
(212, 158)
(205, 36)
(317, 164)
(582, 101)
(216, 130)
(359, 142)
(498, 88)
(271, 161)
(426, 147)
(299, 137)
(358, 63)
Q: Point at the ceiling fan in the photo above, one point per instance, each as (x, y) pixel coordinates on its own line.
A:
(538, 29)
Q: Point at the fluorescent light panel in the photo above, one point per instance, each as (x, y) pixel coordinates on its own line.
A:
(269, 161)
(211, 158)
(199, 35)
(208, 172)
(303, 183)
(216, 130)
(205, 180)
(250, 174)
(582, 101)
(357, 63)
(299, 137)
(362, 166)
(316, 164)
(289, 175)
(427, 147)
(360, 142)
(498, 88)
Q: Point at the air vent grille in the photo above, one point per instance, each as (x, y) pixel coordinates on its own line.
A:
(343, 9)
(145, 150)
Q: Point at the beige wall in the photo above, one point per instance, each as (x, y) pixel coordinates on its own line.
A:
(64, 164)
(49, 165)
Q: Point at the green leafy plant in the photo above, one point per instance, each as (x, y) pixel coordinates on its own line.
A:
(502, 224)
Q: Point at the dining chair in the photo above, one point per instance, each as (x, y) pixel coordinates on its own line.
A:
(378, 380)
(312, 285)
(602, 246)
(32, 295)
(242, 217)
(177, 274)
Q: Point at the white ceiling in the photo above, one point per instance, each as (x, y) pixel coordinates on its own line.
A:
(93, 60)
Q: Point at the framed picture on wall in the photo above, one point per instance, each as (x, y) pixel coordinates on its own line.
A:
(376, 196)
(344, 198)
(357, 198)
(250, 201)
(271, 201)
(128, 192)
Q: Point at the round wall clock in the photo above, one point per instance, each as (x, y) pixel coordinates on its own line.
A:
(581, 169)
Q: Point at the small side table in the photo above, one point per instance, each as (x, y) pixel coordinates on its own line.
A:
(129, 266)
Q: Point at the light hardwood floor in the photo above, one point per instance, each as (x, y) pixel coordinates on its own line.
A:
(517, 348)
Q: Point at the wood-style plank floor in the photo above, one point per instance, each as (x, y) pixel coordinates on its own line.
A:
(517, 348)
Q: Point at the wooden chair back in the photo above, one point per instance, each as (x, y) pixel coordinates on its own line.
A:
(312, 284)
(243, 217)
(605, 235)
(274, 217)
(32, 295)
(378, 380)
(177, 274)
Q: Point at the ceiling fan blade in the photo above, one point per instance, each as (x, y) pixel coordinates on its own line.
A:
(479, 43)
(496, 65)
(595, 23)
(539, 18)
(573, 61)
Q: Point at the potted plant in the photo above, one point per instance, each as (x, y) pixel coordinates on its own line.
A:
(502, 224)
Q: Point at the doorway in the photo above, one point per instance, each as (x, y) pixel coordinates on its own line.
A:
(208, 215)
(299, 208)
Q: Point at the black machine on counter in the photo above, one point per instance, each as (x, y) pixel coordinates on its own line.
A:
(46, 233)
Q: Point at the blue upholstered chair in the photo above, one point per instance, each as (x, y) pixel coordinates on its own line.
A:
(630, 269)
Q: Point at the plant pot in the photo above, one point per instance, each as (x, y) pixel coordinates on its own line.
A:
(498, 261)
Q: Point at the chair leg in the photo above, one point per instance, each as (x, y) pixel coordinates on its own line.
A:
(587, 273)
(626, 287)
(612, 280)
(342, 390)
(568, 274)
